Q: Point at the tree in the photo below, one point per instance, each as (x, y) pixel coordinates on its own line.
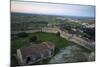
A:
(89, 33)
(58, 33)
(68, 27)
(33, 39)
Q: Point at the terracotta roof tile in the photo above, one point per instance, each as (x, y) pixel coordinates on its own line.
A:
(36, 49)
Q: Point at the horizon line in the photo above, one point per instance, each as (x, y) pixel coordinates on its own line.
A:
(52, 14)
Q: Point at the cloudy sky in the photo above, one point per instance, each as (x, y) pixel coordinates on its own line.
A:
(52, 9)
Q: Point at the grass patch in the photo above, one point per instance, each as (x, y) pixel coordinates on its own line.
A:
(41, 37)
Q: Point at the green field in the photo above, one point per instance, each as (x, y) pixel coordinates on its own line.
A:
(59, 42)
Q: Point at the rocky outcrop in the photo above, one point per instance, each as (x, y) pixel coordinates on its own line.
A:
(91, 56)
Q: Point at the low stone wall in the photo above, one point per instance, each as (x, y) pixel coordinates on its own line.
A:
(66, 35)
(74, 38)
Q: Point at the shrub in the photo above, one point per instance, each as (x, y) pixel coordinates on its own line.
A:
(33, 38)
(22, 34)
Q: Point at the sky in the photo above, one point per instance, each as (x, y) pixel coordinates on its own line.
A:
(53, 9)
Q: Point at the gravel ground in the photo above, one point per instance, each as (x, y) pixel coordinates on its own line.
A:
(70, 54)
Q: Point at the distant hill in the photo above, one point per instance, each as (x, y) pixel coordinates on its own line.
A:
(73, 17)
